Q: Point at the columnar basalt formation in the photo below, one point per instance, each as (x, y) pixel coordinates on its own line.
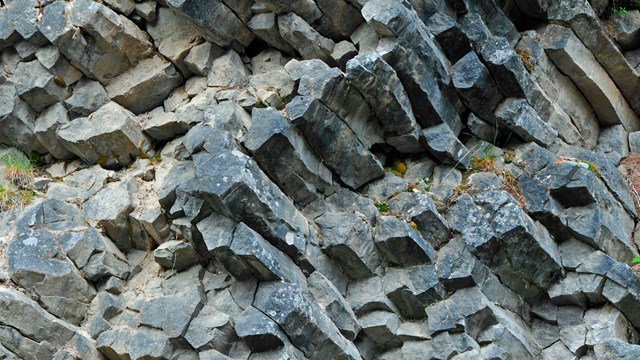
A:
(319, 179)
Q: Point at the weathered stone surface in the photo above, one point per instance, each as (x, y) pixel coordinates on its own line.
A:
(175, 254)
(332, 302)
(109, 137)
(51, 58)
(233, 184)
(47, 123)
(297, 171)
(137, 344)
(37, 86)
(201, 57)
(326, 133)
(103, 32)
(447, 31)
(574, 59)
(393, 234)
(499, 245)
(383, 91)
(145, 85)
(265, 26)
(212, 328)
(444, 145)
(305, 39)
(616, 349)
(17, 120)
(219, 23)
(88, 96)
(365, 295)
(29, 332)
(308, 328)
(475, 85)
(258, 331)
(348, 241)
(523, 120)
(228, 71)
(614, 143)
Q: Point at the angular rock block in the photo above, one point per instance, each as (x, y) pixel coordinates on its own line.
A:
(383, 91)
(347, 240)
(218, 23)
(37, 86)
(447, 31)
(135, 343)
(307, 9)
(86, 27)
(308, 328)
(172, 313)
(399, 289)
(305, 39)
(175, 254)
(381, 327)
(47, 123)
(328, 136)
(110, 209)
(212, 329)
(228, 71)
(365, 295)
(37, 259)
(402, 244)
(233, 184)
(444, 145)
(422, 210)
(201, 57)
(572, 57)
(110, 137)
(51, 58)
(523, 120)
(258, 331)
(265, 26)
(31, 332)
(329, 85)
(17, 120)
(332, 302)
(88, 96)
(296, 170)
(476, 87)
(144, 86)
(501, 246)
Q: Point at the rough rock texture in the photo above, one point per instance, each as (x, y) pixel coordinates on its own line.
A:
(319, 179)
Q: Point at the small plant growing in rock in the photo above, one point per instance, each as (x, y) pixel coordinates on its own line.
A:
(525, 56)
(398, 169)
(17, 170)
(619, 11)
(382, 207)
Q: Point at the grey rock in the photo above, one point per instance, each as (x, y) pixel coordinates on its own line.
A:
(95, 255)
(172, 313)
(627, 29)
(124, 7)
(57, 64)
(175, 254)
(523, 120)
(297, 170)
(332, 302)
(399, 289)
(447, 31)
(109, 137)
(607, 323)
(47, 123)
(258, 331)
(343, 52)
(557, 351)
(476, 87)
(393, 234)
(228, 71)
(88, 96)
(144, 86)
(137, 344)
(17, 120)
(367, 294)
(37, 260)
(308, 328)
(110, 209)
(162, 125)
(326, 133)
(386, 188)
(614, 143)
(28, 331)
(381, 327)
(146, 10)
(305, 39)
(220, 26)
(444, 145)
(634, 141)
(389, 102)
(573, 58)
(616, 349)
(201, 57)
(212, 328)
(340, 18)
(103, 32)
(37, 86)
(265, 26)
(233, 184)
(348, 241)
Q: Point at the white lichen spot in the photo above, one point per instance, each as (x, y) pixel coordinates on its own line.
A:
(289, 238)
(225, 179)
(30, 241)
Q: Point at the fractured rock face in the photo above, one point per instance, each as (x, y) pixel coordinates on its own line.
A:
(110, 137)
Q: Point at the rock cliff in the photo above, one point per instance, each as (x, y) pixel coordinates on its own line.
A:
(319, 179)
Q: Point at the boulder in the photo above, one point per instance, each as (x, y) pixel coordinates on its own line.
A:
(88, 96)
(331, 301)
(304, 38)
(47, 123)
(258, 331)
(17, 120)
(110, 137)
(37, 86)
(175, 254)
(401, 243)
